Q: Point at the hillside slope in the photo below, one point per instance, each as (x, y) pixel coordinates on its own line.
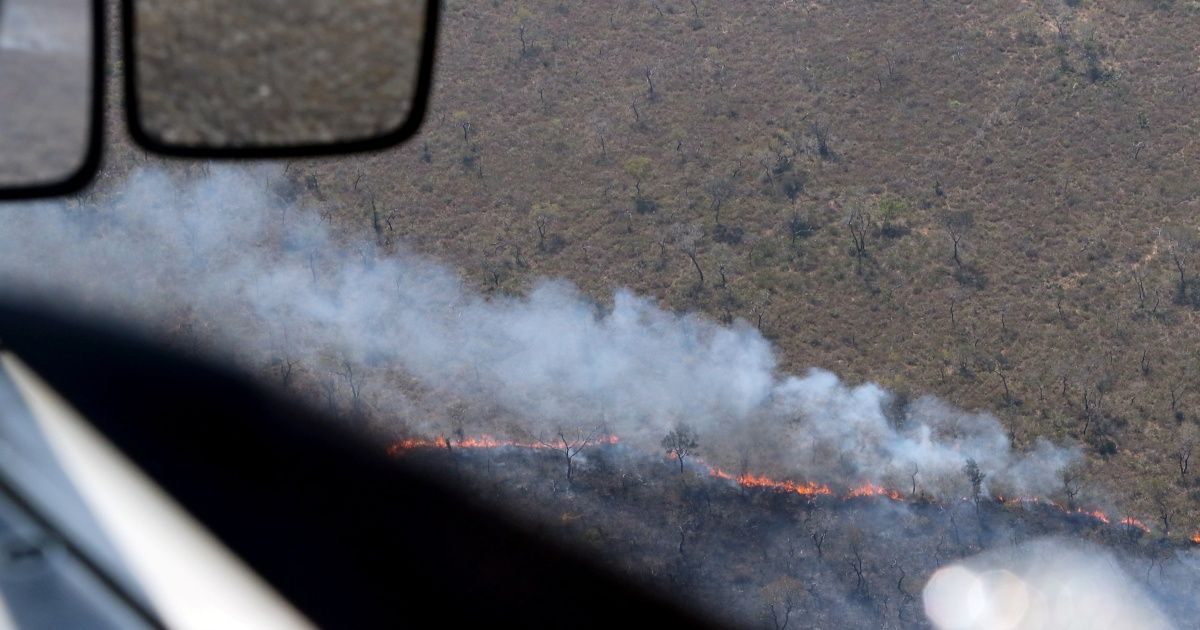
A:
(819, 161)
(994, 203)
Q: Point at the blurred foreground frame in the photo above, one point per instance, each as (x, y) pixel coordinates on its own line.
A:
(351, 537)
(142, 134)
(89, 165)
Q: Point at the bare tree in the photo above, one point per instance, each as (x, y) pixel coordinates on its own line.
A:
(524, 43)
(719, 190)
(680, 442)
(541, 221)
(957, 224)
(858, 220)
(1072, 480)
(1183, 245)
(781, 598)
(494, 270)
(1093, 404)
(1001, 370)
(377, 222)
(663, 241)
(1175, 389)
(571, 445)
(892, 60)
(907, 597)
(1141, 286)
(687, 238)
(355, 383)
(1185, 444)
(286, 364)
(284, 361)
(818, 530)
(820, 133)
(762, 302)
(639, 169)
(1183, 454)
(857, 564)
(601, 128)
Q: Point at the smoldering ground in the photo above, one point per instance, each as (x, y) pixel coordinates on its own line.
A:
(761, 557)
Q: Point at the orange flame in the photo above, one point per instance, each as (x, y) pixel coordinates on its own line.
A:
(1133, 522)
(869, 489)
(1096, 514)
(397, 448)
(1196, 538)
(748, 480)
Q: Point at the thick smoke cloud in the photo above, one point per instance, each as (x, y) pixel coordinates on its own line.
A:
(262, 279)
(931, 438)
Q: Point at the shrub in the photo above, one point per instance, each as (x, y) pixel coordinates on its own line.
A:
(969, 275)
(800, 227)
(894, 230)
(731, 235)
(791, 184)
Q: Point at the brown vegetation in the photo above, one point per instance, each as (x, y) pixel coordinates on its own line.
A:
(811, 167)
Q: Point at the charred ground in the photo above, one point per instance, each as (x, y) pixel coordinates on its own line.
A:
(759, 557)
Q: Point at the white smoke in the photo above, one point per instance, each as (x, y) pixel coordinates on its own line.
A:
(932, 440)
(1049, 583)
(265, 280)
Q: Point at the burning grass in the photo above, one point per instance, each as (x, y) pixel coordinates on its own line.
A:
(728, 542)
(748, 480)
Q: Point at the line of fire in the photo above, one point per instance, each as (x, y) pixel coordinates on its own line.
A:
(748, 480)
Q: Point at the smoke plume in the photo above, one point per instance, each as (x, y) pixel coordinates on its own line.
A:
(225, 260)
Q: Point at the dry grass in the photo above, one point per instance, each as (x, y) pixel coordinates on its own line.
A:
(1068, 135)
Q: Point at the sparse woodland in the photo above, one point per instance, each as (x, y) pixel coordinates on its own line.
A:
(995, 203)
